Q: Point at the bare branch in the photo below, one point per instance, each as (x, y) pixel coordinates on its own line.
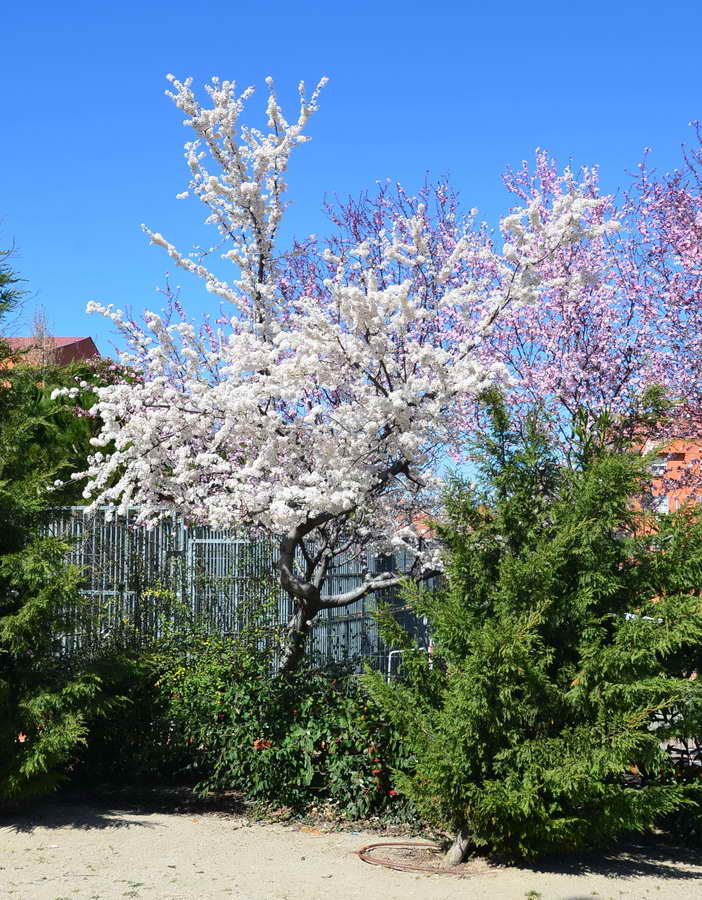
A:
(386, 580)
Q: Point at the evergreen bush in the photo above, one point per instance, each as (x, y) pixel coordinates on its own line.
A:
(47, 700)
(311, 736)
(566, 643)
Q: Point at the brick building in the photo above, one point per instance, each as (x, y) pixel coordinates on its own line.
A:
(676, 472)
(60, 351)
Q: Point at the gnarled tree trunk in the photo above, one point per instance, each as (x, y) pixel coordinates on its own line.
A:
(458, 850)
(305, 590)
(296, 637)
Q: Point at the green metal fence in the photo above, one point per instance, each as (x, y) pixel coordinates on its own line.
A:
(215, 575)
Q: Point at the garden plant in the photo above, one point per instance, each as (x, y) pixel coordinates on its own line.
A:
(209, 711)
(566, 647)
(46, 700)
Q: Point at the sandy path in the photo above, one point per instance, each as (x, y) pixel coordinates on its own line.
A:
(88, 851)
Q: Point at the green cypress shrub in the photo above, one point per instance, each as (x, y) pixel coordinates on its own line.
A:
(46, 699)
(565, 645)
(43, 698)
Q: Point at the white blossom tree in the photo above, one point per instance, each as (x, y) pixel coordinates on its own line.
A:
(318, 409)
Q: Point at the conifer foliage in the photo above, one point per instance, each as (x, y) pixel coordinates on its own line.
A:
(10, 294)
(566, 642)
(46, 700)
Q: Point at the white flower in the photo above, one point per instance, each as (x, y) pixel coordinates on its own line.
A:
(333, 409)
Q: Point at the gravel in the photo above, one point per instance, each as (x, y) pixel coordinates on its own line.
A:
(99, 851)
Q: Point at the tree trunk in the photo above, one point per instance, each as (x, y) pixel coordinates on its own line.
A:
(296, 638)
(458, 850)
(303, 592)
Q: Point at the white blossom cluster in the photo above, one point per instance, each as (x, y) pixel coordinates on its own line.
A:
(334, 408)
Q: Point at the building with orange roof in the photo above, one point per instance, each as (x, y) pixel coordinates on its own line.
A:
(48, 350)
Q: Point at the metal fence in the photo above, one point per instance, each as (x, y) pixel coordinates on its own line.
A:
(216, 575)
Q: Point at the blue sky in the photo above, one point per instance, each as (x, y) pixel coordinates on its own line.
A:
(91, 147)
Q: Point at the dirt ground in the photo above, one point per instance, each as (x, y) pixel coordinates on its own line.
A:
(99, 851)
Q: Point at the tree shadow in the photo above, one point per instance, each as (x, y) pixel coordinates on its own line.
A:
(649, 857)
(111, 809)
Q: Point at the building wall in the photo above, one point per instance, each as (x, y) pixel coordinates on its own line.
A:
(676, 474)
(60, 351)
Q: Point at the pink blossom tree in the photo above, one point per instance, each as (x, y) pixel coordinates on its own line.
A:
(615, 340)
(319, 408)
(640, 324)
(623, 349)
(589, 348)
(663, 262)
(630, 321)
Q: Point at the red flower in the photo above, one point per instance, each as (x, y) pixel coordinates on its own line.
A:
(377, 771)
(392, 793)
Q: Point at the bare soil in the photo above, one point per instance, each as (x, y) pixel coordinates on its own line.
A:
(174, 850)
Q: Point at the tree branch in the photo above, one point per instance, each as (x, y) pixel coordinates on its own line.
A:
(376, 584)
